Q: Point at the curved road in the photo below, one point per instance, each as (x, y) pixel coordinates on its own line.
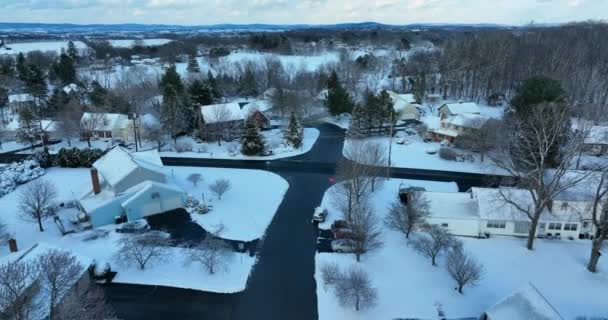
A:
(282, 284)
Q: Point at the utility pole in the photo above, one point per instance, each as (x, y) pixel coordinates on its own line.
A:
(390, 145)
(135, 129)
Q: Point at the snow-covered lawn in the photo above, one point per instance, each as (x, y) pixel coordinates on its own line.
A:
(25, 47)
(231, 150)
(408, 286)
(289, 62)
(8, 146)
(245, 210)
(127, 43)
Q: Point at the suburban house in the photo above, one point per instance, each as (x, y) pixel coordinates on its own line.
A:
(35, 285)
(525, 303)
(17, 101)
(225, 121)
(461, 124)
(129, 186)
(107, 125)
(484, 211)
(596, 140)
(405, 106)
(453, 109)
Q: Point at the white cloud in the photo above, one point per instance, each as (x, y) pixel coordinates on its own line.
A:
(199, 12)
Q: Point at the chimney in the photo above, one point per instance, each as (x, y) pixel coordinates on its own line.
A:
(12, 245)
(95, 181)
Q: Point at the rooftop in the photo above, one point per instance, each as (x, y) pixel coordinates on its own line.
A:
(462, 107)
(525, 303)
(215, 113)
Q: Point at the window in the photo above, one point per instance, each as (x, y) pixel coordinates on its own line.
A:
(522, 227)
(585, 224)
(570, 226)
(444, 225)
(108, 134)
(496, 224)
(564, 205)
(555, 226)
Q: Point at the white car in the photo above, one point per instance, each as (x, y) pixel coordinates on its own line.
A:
(319, 215)
(343, 245)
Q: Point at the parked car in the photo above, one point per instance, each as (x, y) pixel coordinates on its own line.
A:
(343, 245)
(319, 215)
(431, 150)
(403, 141)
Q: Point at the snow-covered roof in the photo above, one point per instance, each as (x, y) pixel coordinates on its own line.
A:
(467, 120)
(401, 101)
(323, 94)
(462, 107)
(22, 97)
(72, 87)
(215, 113)
(112, 121)
(447, 132)
(597, 135)
(453, 205)
(581, 191)
(525, 303)
(118, 163)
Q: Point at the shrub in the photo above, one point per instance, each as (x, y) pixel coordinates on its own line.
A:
(74, 157)
(183, 146)
(18, 173)
(448, 154)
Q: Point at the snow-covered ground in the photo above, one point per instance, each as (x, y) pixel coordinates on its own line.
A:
(128, 43)
(408, 286)
(289, 62)
(232, 150)
(245, 210)
(242, 209)
(25, 47)
(8, 146)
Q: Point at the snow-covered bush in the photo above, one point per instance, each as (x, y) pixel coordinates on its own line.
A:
(183, 146)
(74, 157)
(18, 173)
(448, 154)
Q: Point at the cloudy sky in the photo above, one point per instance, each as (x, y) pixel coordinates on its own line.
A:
(200, 12)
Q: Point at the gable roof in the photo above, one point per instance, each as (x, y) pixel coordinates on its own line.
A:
(467, 120)
(461, 107)
(118, 163)
(112, 121)
(401, 101)
(457, 205)
(215, 113)
(597, 135)
(525, 303)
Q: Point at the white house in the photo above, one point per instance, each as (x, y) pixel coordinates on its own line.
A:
(596, 140)
(454, 126)
(405, 106)
(525, 303)
(49, 127)
(452, 109)
(129, 185)
(484, 211)
(107, 125)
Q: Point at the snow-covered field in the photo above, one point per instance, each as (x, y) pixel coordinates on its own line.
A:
(242, 209)
(245, 210)
(408, 286)
(25, 47)
(127, 43)
(289, 62)
(231, 150)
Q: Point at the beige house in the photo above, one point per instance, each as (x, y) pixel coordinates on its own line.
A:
(454, 126)
(405, 106)
(107, 125)
(452, 109)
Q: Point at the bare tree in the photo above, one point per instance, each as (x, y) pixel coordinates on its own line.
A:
(409, 216)
(331, 274)
(374, 155)
(92, 121)
(154, 132)
(355, 288)
(599, 217)
(144, 248)
(195, 178)
(58, 271)
(221, 123)
(437, 240)
(463, 268)
(366, 230)
(37, 200)
(69, 120)
(526, 156)
(482, 138)
(18, 290)
(219, 187)
(212, 253)
(87, 303)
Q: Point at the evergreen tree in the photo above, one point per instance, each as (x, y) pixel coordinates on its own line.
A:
(193, 66)
(252, 143)
(248, 85)
(65, 70)
(173, 118)
(56, 101)
(217, 95)
(200, 93)
(294, 134)
(338, 100)
(22, 68)
(3, 103)
(173, 79)
(29, 128)
(98, 94)
(36, 83)
(72, 51)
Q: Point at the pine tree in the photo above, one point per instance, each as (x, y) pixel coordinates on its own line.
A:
(248, 85)
(217, 95)
(29, 128)
(193, 66)
(173, 117)
(65, 70)
(3, 102)
(72, 52)
(22, 68)
(252, 143)
(36, 83)
(200, 93)
(338, 100)
(294, 134)
(173, 79)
